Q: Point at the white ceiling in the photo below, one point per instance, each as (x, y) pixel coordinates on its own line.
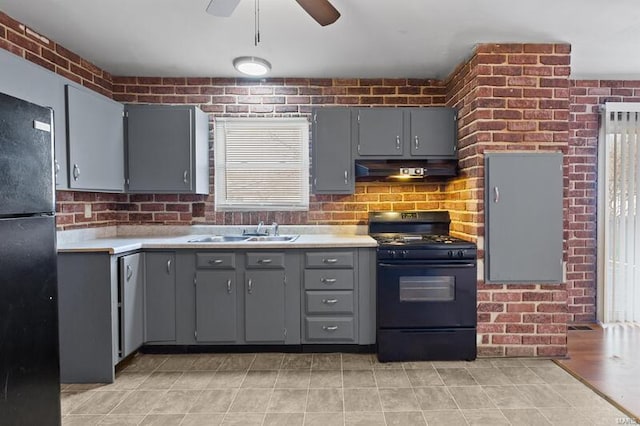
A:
(372, 38)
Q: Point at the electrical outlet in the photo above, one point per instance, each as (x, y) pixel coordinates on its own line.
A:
(87, 211)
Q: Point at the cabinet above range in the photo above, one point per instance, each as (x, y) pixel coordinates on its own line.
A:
(345, 136)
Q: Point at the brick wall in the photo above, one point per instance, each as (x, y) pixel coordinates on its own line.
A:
(510, 97)
(586, 97)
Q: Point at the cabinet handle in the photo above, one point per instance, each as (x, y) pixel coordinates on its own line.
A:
(169, 266)
(57, 167)
(397, 142)
(329, 301)
(329, 327)
(229, 286)
(184, 177)
(250, 286)
(76, 172)
(215, 261)
(264, 261)
(330, 260)
(328, 280)
(496, 194)
(416, 141)
(129, 272)
(346, 177)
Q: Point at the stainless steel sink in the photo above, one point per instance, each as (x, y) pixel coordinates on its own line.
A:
(277, 238)
(219, 239)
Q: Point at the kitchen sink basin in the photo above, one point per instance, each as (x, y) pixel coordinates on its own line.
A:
(219, 239)
(277, 238)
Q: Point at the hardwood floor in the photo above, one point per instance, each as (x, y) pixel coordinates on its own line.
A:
(608, 359)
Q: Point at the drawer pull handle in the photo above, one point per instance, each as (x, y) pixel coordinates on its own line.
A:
(264, 261)
(329, 301)
(250, 286)
(229, 286)
(215, 261)
(329, 327)
(328, 280)
(169, 266)
(330, 260)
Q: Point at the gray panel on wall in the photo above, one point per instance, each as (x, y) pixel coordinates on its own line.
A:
(524, 217)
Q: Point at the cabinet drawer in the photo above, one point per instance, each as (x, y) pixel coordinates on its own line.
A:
(216, 260)
(330, 329)
(329, 259)
(316, 279)
(264, 260)
(325, 302)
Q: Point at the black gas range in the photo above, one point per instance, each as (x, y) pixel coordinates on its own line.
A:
(426, 288)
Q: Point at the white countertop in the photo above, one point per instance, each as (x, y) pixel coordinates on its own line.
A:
(116, 245)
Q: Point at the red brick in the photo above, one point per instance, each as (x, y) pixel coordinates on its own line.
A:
(521, 307)
(506, 339)
(520, 328)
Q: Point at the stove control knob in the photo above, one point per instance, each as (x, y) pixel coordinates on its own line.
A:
(392, 254)
(405, 253)
(460, 253)
(450, 253)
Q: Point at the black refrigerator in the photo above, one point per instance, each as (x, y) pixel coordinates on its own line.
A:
(29, 365)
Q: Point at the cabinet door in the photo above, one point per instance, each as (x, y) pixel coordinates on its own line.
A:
(159, 148)
(216, 306)
(25, 80)
(380, 132)
(523, 205)
(264, 306)
(433, 132)
(332, 163)
(132, 299)
(96, 141)
(160, 305)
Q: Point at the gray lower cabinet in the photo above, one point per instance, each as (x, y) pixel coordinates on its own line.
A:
(160, 297)
(100, 309)
(332, 165)
(330, 289)
(95, 136)
(25, 80)
(167, 149)
(264, 307)
(132, 303)
(523, 209)
(216, 306)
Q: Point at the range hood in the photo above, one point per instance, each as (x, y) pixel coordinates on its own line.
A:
(405, 169)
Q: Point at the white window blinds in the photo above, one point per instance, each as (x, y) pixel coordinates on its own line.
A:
(619, 218)
(261, 164)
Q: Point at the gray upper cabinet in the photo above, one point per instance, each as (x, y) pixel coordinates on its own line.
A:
(433, 132)
(25, 80)
(264, 308)
(95, 134)
(332, 166)
(380, 132)
(167, 149)
(523, 208)
(132, 300)
(160, 297)
(216, 306)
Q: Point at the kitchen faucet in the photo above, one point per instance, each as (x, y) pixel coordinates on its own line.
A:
(274, 229)
(259, 228)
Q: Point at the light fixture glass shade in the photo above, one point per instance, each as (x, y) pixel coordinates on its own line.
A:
(252, 65)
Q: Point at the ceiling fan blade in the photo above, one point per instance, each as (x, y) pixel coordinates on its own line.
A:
(223, 8)
(320, 10)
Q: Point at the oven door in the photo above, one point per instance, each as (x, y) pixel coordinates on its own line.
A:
(416, 294)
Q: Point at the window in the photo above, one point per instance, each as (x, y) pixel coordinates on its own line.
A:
(261, 164)
(619, 214)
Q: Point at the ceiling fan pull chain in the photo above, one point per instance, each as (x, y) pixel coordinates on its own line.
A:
(256, 8)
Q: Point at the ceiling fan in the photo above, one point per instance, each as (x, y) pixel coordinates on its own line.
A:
(320, 10)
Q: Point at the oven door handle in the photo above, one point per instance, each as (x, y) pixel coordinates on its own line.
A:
(427, 265)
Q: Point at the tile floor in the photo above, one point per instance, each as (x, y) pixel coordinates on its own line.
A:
(334, 389)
